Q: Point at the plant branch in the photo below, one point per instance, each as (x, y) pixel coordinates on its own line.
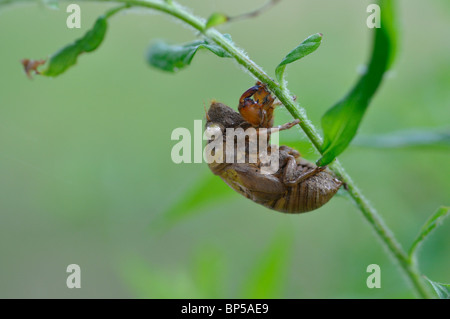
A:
(285, 97)
(255, 12)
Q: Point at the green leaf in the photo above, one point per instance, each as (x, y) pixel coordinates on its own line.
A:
(435, 220)
(269, 274)
(173, 58)
(216, 19)
(340, 123)
(208, 189)
(411, 138)
(308, 46)
(442, 290)
(406, 138)
(62, 60)
(207, 272)
(148, 281)
(67, 56)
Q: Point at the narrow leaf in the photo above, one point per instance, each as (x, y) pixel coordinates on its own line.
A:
(67, 56)
(208, 189)
(340, 123)
(173, 58)
(435, 220)
(411, 138)
(207, 272)
(149, 281)
(269, 274)
(406, 138)
(308, 46)
(442, 290)
(216, 19)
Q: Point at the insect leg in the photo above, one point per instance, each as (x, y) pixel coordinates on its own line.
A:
(247, 94)
(290, 178)
(289, 151)
(279, 128)
(284, 126)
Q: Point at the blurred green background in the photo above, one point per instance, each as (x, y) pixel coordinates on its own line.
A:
(86, 175)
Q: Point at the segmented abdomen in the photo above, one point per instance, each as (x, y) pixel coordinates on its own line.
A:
(307, 195)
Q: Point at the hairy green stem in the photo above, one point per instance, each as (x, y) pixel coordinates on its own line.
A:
(370, 214)
(367, 210)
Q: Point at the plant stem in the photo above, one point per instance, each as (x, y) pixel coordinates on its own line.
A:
(371, 215)
(282, 93)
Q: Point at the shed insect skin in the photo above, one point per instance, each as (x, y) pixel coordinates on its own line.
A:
(297, 187)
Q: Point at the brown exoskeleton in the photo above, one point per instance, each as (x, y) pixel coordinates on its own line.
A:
(297, 186)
